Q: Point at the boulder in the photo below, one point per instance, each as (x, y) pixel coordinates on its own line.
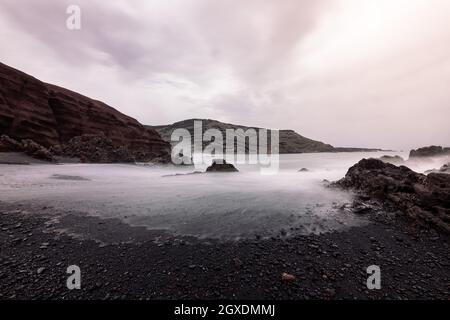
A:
(424, 198)
(303, 170)
(221, 166)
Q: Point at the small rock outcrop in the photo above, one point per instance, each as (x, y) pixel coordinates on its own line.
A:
(431, 151)
(445, 168)
(221, 166)
(96, 148)
(392, 159)
(424, 198)
(303, 170)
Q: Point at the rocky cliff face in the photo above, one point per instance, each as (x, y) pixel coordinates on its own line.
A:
(52, 116)
(425, 198)
(290, 141)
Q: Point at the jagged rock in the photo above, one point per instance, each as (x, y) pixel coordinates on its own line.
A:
(221, 166)
(392, 159)
(424, 198)
(51, 116)
(432, 151)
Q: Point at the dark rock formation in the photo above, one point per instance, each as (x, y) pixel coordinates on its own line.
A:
(290, 141)
(221, 166)
(392, 159)
(50, 116)
(9, 145)
(303, 170)
(27, 146)
(424, 198)
(432, 151)
(96, 148)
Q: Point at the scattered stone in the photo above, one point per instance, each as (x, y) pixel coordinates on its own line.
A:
(288, 277)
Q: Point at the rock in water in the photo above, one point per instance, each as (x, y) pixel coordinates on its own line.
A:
(445, 168)
(424, 198)
(392, 159)
(50, 116)
(432, 151)
(221, 166)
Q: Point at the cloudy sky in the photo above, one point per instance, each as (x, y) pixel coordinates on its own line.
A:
(372, 73)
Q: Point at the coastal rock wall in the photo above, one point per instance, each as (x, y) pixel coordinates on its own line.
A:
(51, 116)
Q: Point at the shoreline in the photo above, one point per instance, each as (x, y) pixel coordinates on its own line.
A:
(118, 261)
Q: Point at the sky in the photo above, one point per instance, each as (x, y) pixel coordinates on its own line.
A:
(361, 73)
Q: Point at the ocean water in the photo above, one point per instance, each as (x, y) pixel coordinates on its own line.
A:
(220, 205)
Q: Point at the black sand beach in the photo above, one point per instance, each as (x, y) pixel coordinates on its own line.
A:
(122, 262)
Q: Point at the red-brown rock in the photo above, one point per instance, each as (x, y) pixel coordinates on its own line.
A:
(51, 116)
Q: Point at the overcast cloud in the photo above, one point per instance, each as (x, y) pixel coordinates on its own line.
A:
(370, 73)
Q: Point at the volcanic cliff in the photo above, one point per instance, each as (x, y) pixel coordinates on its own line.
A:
(53, 116)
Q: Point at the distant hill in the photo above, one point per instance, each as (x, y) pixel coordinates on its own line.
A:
(290, 141)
